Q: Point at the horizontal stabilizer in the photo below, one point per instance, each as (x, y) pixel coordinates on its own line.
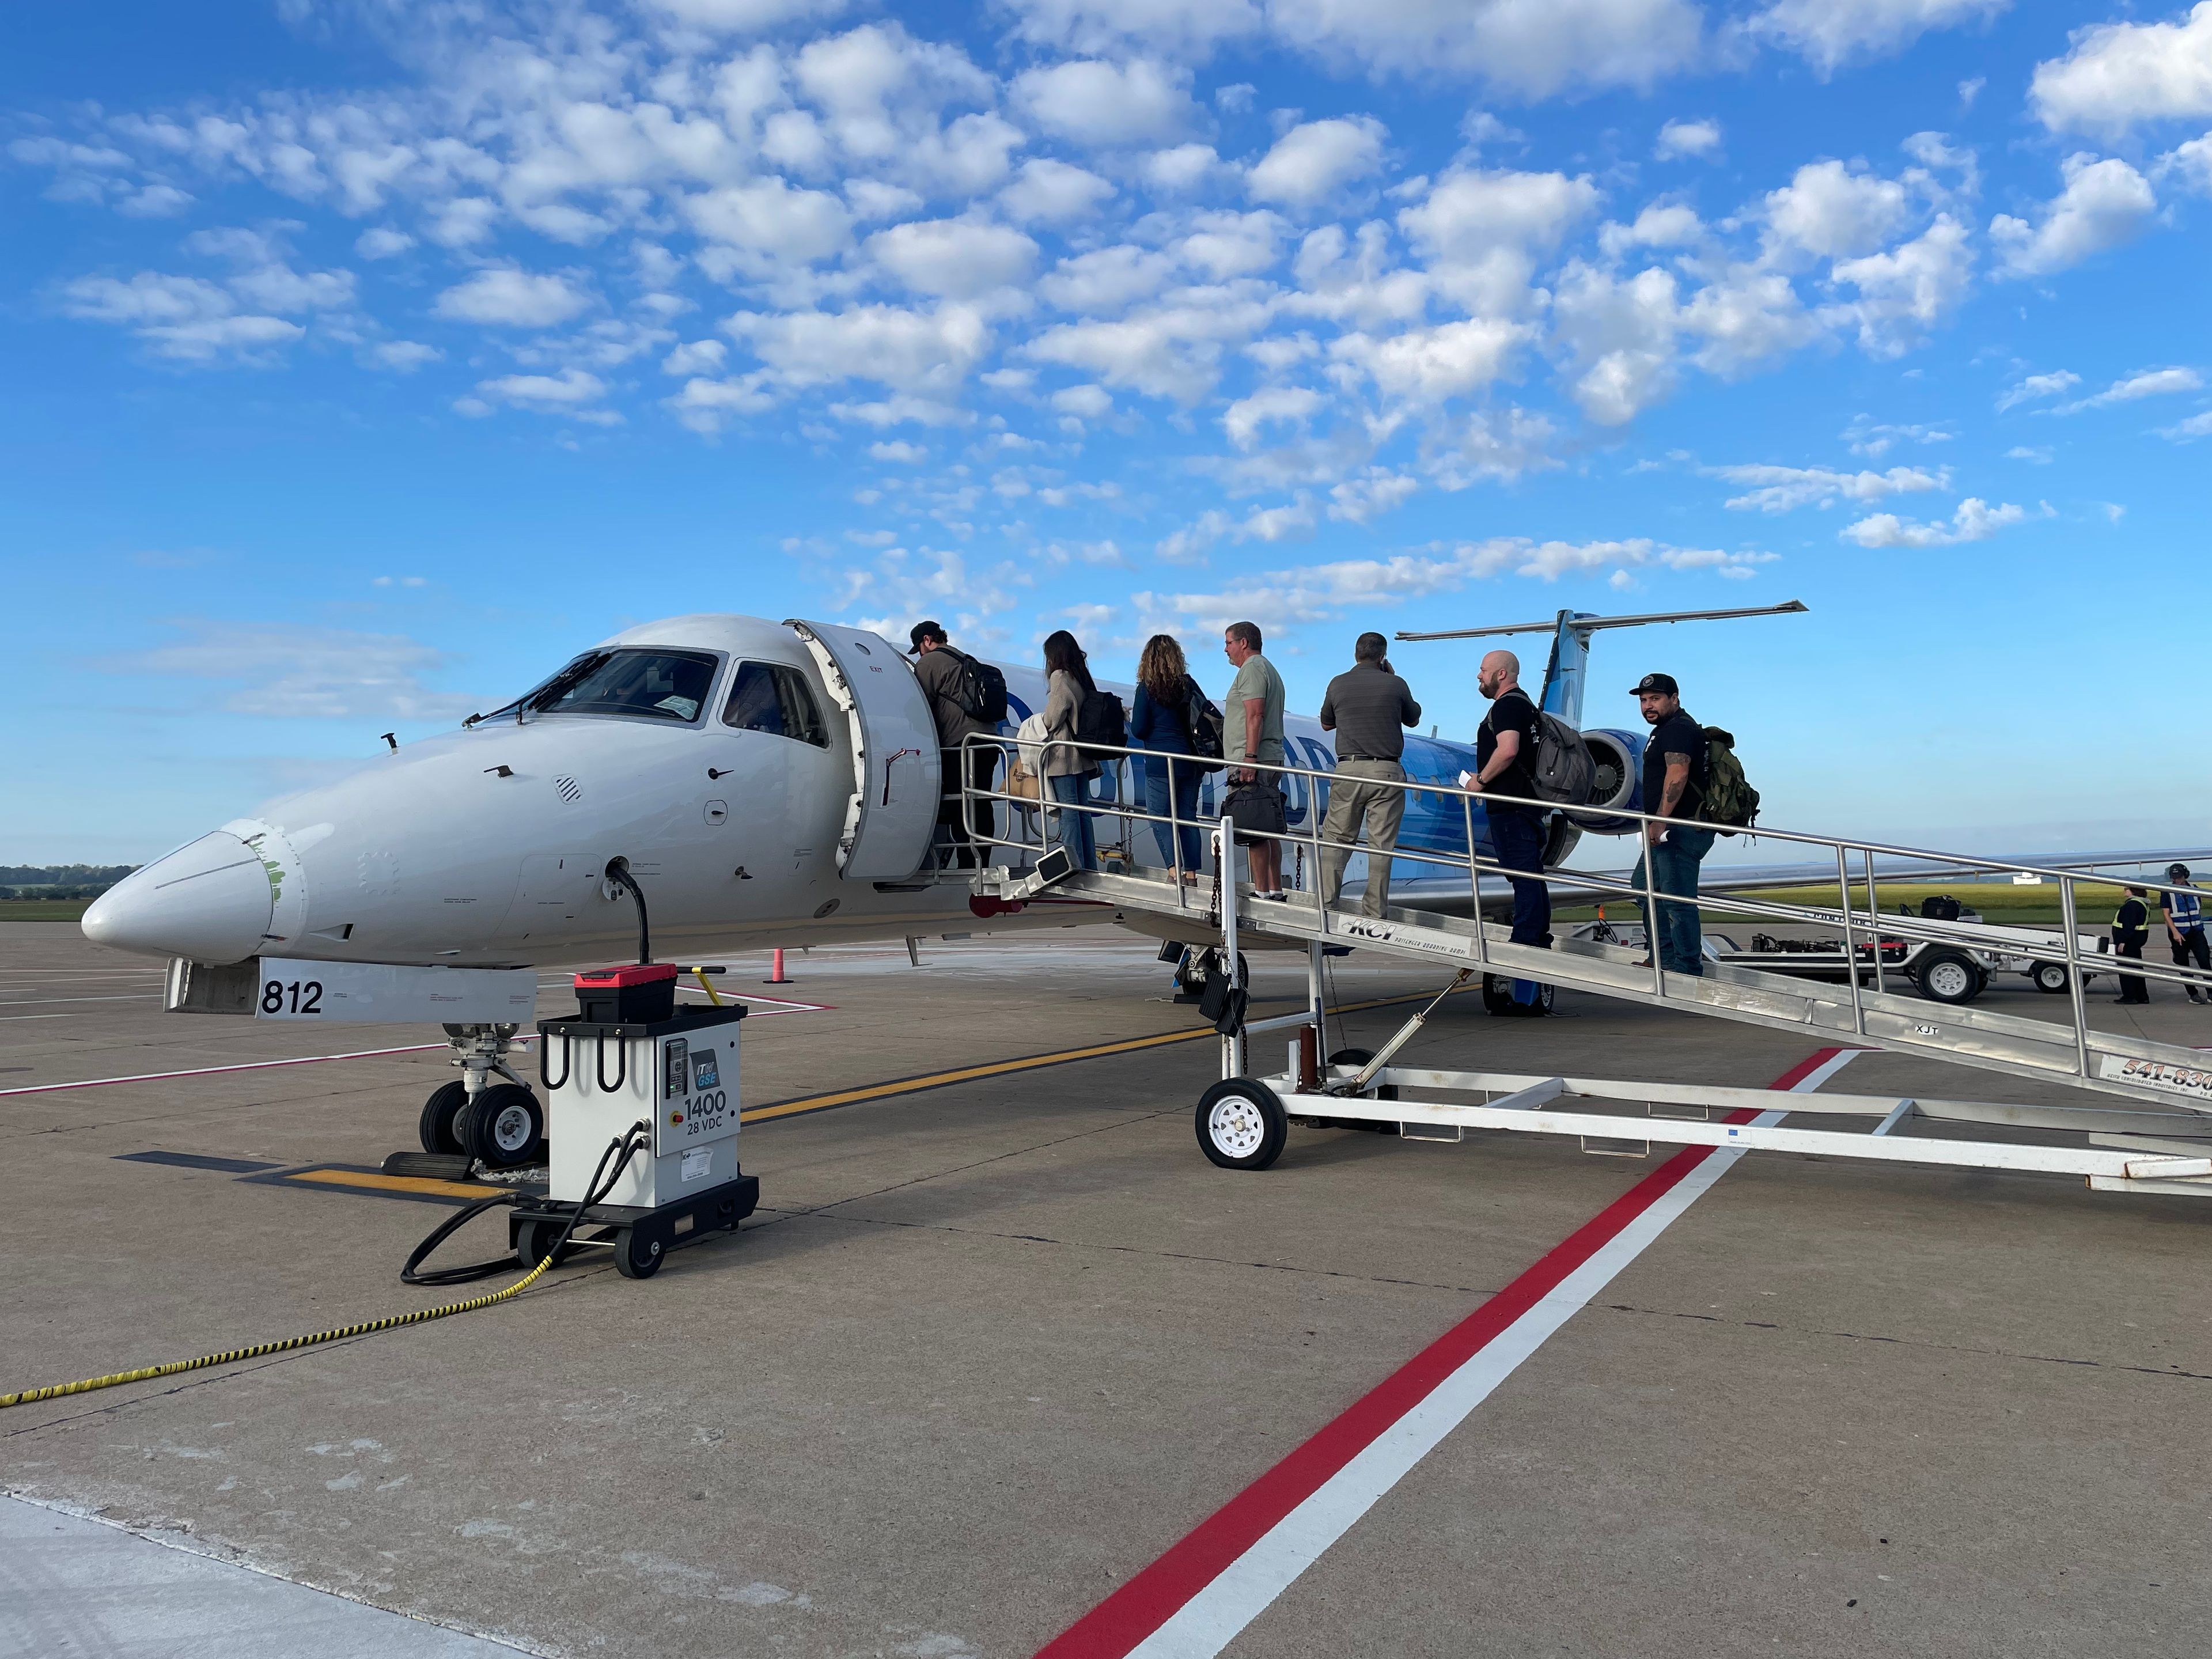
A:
(1591, 624)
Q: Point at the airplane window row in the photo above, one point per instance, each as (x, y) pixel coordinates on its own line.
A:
(770, 697)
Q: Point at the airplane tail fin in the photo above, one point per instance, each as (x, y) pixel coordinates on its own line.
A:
(1570, 632)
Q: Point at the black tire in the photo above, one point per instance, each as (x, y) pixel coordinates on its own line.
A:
(2048, 977)
(534, 1240)
(637, 1256)
(438, 1129)
(1387, 1092)
(504, 1127)
(1242, 1124)
(1498, 998)
(1950, 977)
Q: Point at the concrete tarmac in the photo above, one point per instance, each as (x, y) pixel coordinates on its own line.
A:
(989, 1348)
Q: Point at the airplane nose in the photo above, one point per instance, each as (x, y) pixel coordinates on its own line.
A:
(209, 900)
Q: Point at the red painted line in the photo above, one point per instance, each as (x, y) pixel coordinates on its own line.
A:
(1140, 1607)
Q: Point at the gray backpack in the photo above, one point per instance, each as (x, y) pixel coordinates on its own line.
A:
(1562, 768)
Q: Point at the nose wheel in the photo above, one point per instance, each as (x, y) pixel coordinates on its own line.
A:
(438, 1127)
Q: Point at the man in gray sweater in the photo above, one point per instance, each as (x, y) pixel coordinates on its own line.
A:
(1369, 709)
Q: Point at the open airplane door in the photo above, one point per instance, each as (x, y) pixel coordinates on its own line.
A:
(891, 817)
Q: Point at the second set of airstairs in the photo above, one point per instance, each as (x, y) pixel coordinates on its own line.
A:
(2161, 1136)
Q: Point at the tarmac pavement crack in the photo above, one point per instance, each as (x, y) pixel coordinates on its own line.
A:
(2172, 1372)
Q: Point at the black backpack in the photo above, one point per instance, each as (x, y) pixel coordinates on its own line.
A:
(1203, 721)
(1099, 719)
(979, 689)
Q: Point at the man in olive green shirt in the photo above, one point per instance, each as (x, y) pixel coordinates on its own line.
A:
(1254, 732)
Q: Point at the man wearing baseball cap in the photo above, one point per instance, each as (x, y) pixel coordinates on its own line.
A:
(2184, 912)
(1675, 777)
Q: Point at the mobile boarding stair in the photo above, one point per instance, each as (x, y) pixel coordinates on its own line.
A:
(2155, 1136)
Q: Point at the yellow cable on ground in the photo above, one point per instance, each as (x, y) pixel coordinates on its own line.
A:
(146, 1373)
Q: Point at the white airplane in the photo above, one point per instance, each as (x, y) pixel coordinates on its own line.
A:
(749, 783)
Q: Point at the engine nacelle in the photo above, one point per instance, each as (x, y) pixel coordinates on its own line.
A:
(1618, 782)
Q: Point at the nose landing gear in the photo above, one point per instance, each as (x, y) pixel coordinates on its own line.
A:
(500, 1125)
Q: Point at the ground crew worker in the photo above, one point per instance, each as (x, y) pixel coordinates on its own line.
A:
(937, 665)
(2185, 928)
(1368, 707)
(2130, 933)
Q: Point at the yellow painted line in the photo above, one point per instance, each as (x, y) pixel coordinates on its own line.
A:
(1002, 1068)
(388, 1183)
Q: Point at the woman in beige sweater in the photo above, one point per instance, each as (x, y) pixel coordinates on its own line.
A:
(1067, 769)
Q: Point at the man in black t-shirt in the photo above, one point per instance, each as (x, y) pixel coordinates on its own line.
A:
(1674, 774)
(1504, 745)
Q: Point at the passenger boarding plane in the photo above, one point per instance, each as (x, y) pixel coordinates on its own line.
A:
(762, 784)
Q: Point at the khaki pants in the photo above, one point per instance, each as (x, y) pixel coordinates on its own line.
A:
(1359, 790)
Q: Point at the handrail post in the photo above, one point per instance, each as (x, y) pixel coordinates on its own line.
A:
(2073, 976)
(1474, 883)
(1874, 917)
(1320, 879)
(1850, 940)
(1232, 1046)
(1651, 922)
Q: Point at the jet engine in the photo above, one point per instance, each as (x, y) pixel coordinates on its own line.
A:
(1617, 782)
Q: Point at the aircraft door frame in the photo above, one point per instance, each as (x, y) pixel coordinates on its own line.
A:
(890, 816)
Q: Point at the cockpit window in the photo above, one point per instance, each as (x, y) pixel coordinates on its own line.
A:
(770, 697)
(669, 686)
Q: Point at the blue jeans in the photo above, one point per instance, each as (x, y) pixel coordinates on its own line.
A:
(1075, 830)
(1674, 862)
(1186, 778)
(1517, 833)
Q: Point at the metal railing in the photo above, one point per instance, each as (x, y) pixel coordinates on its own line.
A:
(1846, 916)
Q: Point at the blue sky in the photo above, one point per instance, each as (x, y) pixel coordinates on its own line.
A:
(365, 360)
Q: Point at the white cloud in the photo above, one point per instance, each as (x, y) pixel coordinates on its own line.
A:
(1430, 365)
(2034, 386)
(1053, 192)
(566, 392)
(1087, 403)
(914, 351)
(1620, 336)
(1314, 160)
(2191, 162)
(957, 258)
(1834, 212)
(1180, 29)
(1871, 438)
(766, 224)
(404, 355)
(1975, 520)
(1784, 488)
(507, 298)
(1906, 291)
(296, 671)
(1829, 33)
(1480, 230)
(2196, 426)
(1535, 50)
(1243, 419)
(2150, 383)
(747, 17)
(1106, 280)
(695, 357)
(1092, 101)
(183, 318)
(1171, 349)
(2037, 455)
(1367, 497)
(1694, 138)
(2117, 76)
(898, 452)
(1183, 168)
(382, 243)
(2104, 204)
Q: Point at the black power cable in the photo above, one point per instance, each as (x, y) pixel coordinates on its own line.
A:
(627, 1144)
(618, 872)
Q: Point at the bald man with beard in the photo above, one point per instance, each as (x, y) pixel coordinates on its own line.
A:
(1504, 745)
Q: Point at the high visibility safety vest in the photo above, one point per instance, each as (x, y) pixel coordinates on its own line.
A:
(2187, 909)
